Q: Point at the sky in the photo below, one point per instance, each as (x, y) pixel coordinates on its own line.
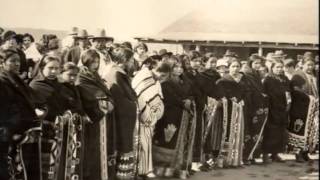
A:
(121, 18)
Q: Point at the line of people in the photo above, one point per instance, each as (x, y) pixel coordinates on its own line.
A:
(96, 109)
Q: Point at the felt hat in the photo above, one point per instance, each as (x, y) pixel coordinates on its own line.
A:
(278, 54)
(307, 55)
(230, 54)
(82, 34)
(101, 34)
(164, 52)
(73, 31)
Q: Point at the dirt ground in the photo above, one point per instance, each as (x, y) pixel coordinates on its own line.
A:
(290, 170)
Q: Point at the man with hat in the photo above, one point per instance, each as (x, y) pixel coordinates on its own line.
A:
(68, 41)
(101, 43)
(229, 55)
(73, 31)
(82, 42)
(279, 55)
(308, 55)
(269, 60)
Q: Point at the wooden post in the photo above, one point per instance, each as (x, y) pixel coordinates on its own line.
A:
(198, 48)
(260, 51)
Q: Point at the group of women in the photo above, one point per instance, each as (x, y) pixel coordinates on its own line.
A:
(163, 115)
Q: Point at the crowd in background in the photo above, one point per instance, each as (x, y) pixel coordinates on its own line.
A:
(90, 108)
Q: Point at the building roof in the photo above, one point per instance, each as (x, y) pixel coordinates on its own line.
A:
(285, 21)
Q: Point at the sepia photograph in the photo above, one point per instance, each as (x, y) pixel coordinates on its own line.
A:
(159, 89)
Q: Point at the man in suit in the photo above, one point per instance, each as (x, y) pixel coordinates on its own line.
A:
(74, 53)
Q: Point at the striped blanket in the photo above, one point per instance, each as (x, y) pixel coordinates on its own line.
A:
(151, 109)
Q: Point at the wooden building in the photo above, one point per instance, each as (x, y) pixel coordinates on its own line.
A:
(290, 25)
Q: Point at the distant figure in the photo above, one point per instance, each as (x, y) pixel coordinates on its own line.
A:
(276, 86)
(165, 55)
(222, 67)
(289, 68)
(73, 54)
(1, 31)
(13, 41)
(127, 45)
(99, 43)
(140, 53)
(30, 48)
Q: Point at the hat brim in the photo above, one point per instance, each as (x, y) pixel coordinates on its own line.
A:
(108, 38)
(167, 53)
(279, 56)
(155, 57)
(82, 37)
(219, 65)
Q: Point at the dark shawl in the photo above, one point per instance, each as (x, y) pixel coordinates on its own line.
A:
(207, 82)
(275, 134)
(72, 94)
(125, 100)
(92, 88)
(173, 95)
(300, 80)
(17, 110)
(49, 94)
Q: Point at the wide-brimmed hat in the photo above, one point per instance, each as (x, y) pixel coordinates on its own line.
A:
(256, 56)
(155, 57)
(73, 31)
(279, 54)
(269, 56)
(101, 34)
(230, 54)
(164, 52)
(82, 34)
(308, 55)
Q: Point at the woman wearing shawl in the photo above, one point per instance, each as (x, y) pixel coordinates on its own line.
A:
(213, 127)
(174, 133)
(125, 100)
(18, 121)
(257, 112)
(148, 89)
(304, 112)
(276, 86)
(100, 144)
(233, 93)
(49, 96)
(192, 74)
(74, 127)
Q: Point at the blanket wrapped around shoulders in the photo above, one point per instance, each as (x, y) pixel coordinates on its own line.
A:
(149, 95)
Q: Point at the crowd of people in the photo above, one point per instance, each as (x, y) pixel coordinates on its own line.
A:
(94, 109)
